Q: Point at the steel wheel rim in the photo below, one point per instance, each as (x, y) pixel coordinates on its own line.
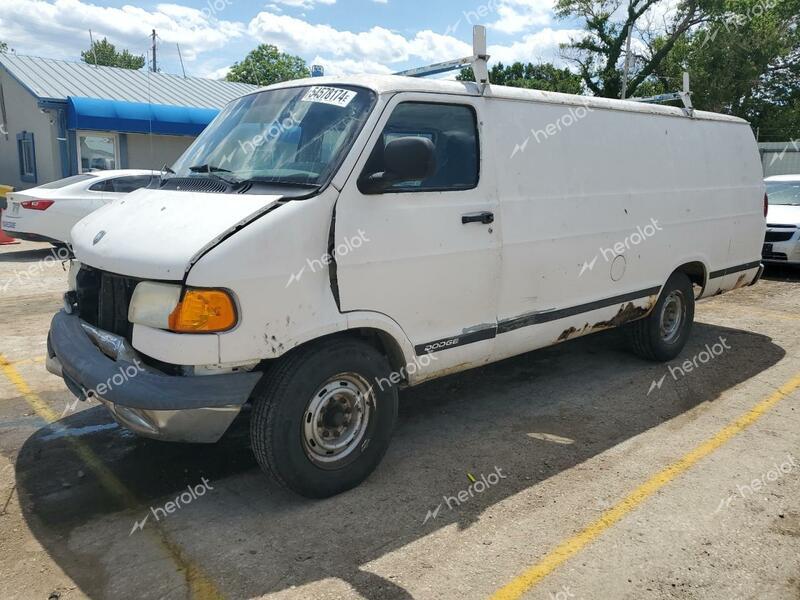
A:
(672, 315)
(337, 417)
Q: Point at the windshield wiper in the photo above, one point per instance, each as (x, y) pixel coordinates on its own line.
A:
(272, 181)
(213, 171)
(208, 169)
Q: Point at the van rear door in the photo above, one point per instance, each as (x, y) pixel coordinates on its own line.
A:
(425, 253)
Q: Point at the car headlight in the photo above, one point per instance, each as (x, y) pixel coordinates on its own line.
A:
(195, 310)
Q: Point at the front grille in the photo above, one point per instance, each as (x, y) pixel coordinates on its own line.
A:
(779, 236)
(775, 256)
(103, 300)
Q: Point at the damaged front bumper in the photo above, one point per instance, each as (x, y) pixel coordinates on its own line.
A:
(98, 364)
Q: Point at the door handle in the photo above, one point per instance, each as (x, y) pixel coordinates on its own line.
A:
(486, 218)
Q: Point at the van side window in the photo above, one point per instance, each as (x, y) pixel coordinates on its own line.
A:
(454, 133)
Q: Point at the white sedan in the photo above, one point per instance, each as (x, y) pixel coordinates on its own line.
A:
(48, 212)
(782, 244)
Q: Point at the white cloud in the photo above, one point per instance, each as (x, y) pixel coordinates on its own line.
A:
(304, 4)
(210, 43)
(542, 46)
(378, 44)
(220, 73)
(516, 16)
(61, 27)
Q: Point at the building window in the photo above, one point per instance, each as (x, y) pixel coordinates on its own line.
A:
(27, 157)
(97, 152)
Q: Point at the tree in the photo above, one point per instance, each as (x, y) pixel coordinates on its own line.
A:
(599, 52)
(3, 47)
(746, 62)
(544, 76)
(104, 54)
(267, 65)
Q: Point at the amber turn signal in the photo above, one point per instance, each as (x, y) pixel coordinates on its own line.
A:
(203, 311)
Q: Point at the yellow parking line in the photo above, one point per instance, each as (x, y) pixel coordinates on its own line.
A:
(200, 585)
(26, 361)
(532, 576)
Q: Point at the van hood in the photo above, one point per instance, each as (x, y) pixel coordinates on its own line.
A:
(158, 234)
(782, 214)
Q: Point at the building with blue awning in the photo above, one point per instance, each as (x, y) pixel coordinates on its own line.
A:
(60, 118)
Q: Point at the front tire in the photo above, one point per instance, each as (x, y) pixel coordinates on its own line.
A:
(323, 417)
(662, 335)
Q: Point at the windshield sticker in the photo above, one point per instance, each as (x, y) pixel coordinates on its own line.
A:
(328, 95)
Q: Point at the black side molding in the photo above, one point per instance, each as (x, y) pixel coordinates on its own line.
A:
(554, 315)
(736, 269)
(480, 334)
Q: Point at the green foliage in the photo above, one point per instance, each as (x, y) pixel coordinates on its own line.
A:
(3, 47)
(544, 76)
(743, 56)
(104, 54)
(599, 53)
(267, 65)
(744, 62)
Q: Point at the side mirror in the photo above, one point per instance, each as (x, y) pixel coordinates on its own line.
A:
(405, 159)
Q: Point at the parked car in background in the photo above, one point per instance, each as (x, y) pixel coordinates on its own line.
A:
(48, 212)
(782, 244)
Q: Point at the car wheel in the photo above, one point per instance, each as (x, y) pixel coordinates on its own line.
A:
(662, 335)
(322, 417)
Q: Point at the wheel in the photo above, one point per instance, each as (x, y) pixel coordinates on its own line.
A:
(323, 416)
(662, 335)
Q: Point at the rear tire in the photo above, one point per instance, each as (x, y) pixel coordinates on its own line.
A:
(323, 417)
(662, 335)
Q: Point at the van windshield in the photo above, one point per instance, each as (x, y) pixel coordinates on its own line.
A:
(295, 136)
(784, 192)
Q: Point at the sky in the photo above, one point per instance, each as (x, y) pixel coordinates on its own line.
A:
(345, 36)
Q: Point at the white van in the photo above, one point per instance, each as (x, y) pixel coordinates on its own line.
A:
(327, 241)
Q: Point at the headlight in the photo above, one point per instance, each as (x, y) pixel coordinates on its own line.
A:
(203, 310)
(153, 303)
(198, 310)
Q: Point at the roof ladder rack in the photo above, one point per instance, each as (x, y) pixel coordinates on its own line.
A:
(478, 61)
(684, 96)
